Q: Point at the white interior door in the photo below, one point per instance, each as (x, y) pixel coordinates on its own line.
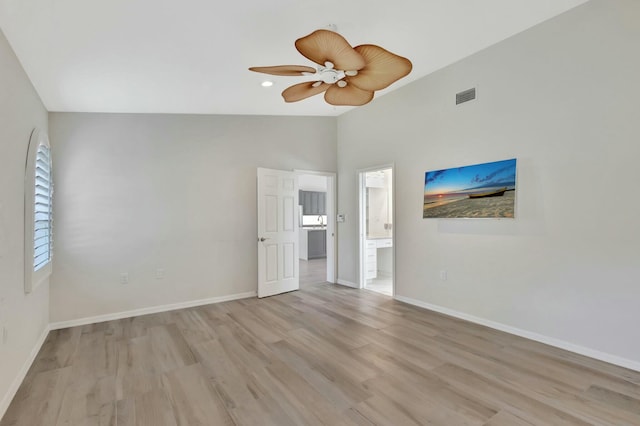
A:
(277, 232)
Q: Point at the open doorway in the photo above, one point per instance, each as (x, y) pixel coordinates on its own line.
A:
(376, 230)
(316, 221)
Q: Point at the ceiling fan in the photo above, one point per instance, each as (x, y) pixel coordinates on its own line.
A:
(347, 75)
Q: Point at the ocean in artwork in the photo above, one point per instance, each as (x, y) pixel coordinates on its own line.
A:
(479, 191)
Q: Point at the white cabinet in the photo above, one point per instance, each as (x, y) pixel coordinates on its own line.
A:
(384, 243)
(371, 260)
(371, 256)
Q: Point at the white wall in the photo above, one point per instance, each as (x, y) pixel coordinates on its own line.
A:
(562, 98)
(140, 192)
(312, 183)
(25, 316)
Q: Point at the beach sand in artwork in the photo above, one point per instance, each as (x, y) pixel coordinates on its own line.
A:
(480, 207)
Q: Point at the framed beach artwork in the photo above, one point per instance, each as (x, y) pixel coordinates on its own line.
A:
(485, 190)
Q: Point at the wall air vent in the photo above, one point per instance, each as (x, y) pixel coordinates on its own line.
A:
(466, 96)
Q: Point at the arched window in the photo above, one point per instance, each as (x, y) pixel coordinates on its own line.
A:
(38, 211)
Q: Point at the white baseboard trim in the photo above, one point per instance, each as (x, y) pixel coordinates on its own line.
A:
(347, 283)
(150, 310)
(551, 341)
(22, 373)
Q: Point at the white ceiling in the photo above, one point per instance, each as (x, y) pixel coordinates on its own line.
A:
(191, 56)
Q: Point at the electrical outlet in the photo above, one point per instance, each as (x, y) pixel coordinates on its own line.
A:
(443, 275)
(124, 278)
(159, 274)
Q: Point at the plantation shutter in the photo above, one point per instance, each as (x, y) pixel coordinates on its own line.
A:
(42, 236)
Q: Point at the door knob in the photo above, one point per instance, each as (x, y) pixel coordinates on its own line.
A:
(262, 239)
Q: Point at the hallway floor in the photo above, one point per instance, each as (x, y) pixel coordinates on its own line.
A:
(313, 271)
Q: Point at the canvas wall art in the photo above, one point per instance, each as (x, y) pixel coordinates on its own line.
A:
(485, 190)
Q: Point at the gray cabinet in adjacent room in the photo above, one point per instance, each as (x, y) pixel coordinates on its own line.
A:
(322, 203)
(313, 203)
(317, 243)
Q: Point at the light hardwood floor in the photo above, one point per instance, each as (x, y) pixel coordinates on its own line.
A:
(313, 271)
(322, 355)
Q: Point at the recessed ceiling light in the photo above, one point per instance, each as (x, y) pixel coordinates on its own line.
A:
(267, 83)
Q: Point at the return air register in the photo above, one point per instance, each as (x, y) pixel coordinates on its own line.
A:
(466, 96)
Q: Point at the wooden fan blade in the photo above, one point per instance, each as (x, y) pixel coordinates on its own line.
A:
(301, 91)
(326, 46)
(348, 95)
(383, 68)
(290, 70)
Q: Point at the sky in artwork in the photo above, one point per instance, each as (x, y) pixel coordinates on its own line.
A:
(495, 174)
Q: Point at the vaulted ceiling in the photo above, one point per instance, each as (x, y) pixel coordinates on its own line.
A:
(191, 56)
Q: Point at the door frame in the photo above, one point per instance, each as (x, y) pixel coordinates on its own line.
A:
(362, 238)
(332, 228)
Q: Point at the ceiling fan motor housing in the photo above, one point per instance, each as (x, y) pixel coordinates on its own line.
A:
(330, 75)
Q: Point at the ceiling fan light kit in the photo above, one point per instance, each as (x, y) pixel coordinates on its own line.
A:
(346, 75)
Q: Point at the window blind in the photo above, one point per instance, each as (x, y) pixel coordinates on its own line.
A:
(42, 236)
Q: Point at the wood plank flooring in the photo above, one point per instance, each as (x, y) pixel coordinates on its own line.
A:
(324, 355)
(313, 271)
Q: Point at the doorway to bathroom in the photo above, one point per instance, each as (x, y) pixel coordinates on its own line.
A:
(377, 257)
